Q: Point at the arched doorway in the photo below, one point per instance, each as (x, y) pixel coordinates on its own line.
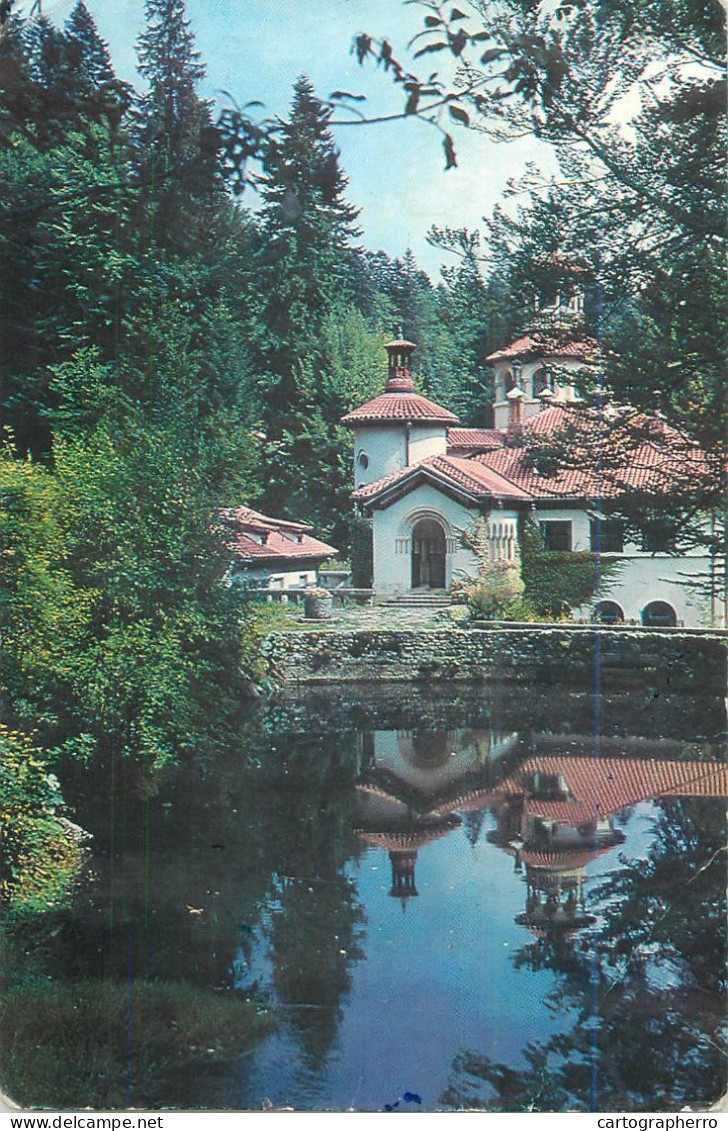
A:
(658, 614)
(428, 555)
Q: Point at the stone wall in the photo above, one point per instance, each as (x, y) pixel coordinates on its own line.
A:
(585, 657)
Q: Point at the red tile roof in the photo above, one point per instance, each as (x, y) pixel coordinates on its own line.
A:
(603, 457)
(399, 406)
(478, 439)
(549, 345)
(404, 841)
(254, 537)
(464, 474)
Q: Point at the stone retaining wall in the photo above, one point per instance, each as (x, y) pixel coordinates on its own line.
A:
(665, 661)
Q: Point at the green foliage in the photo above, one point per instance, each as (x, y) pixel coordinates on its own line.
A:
(68, 1046)
(496, 593)
(362, 551)
(557, 581)
(39, 860)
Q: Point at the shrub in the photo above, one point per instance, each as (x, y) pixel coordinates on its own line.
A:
(39, 858)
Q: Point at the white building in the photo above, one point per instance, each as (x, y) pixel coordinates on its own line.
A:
(270, 553)
(425, 481)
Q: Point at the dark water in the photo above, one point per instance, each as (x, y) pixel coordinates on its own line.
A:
(513, 901)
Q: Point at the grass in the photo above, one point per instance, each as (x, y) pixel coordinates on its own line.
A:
(110, 1045)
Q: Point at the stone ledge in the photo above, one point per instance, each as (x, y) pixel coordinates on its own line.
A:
(665, 661)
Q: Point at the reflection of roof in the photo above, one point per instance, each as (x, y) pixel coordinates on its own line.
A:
(549, 345)
(461, 474)
(406, 839)
(256, 537)
(468, 802)
(560, 860)
(599, 786)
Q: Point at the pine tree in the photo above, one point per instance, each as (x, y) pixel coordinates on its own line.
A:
(307, 272)
(102, 96)
(86, 50)
(308, 223)
(176, 147)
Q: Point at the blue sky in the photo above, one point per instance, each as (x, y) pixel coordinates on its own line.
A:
(255, 49)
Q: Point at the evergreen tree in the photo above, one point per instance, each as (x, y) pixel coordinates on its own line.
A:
(176, 146)
(87, 58)
(306, 272)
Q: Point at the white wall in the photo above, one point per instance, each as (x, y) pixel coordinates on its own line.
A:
(427, 440)
(275, 578)
(531, 406)
(643, 577)
(646, 577)
(393, 538)
(386, 447)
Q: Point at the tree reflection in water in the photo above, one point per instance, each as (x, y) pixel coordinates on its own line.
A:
(647, 984)
(245, 874)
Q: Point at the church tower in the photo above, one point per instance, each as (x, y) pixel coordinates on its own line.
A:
(399, 427)
(534, 371)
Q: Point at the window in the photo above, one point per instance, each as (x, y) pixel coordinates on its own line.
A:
(363, 460)
(608, 612)
(556, 535)
(540, 382)
(658, 537)
(658, 614)
(607, 536)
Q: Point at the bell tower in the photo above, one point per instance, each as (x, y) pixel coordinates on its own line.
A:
(398, 428)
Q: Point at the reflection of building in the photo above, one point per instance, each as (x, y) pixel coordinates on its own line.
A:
(553, 813)
(385, 820)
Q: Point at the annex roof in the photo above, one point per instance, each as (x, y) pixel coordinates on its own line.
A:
(605, 457)
(255, 537)
(475, 439)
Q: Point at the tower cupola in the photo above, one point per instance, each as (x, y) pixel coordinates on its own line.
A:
(400, 377)
(399, 427)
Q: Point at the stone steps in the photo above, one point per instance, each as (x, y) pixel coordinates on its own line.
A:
(431, 600)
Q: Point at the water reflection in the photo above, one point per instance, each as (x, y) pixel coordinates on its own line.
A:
(554, 814)
(485, 900)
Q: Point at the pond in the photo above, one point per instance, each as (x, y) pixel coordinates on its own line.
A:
(402, 899)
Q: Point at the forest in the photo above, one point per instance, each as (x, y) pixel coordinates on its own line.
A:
(186, 313)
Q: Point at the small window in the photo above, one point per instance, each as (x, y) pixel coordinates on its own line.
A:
(608, 612)
(658, 614)
(556, 535)
(658, 537)
(607, 536)
(540, 382)
(363, 461)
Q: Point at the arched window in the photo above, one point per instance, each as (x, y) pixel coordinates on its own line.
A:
(510, 380)
(541, 382)
(608, 612)
(658, 614)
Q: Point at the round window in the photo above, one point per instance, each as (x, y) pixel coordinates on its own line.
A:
(363, 460)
